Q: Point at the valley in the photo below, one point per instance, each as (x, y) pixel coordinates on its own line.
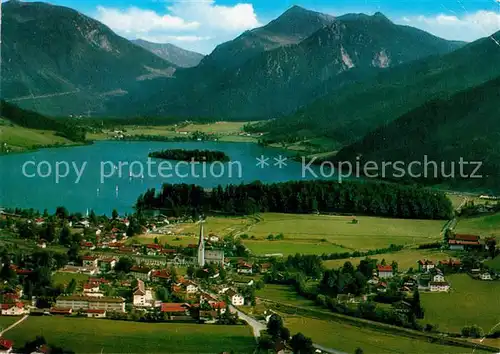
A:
(222, 199)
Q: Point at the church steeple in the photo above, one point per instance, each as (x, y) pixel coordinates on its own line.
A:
(201, 246)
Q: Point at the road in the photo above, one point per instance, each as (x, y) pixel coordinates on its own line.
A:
(13, 325)
(258, 326)
(252, 322)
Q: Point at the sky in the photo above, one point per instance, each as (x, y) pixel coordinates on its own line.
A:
(200, 25)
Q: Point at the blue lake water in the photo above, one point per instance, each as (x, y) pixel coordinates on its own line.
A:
(110, 173)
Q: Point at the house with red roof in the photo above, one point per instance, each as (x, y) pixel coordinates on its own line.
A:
(159, 275)
(87, 245)
(65, 311)
(384, 271)
(245, 268)
(461, 242)
(6, 345)
(107, 264)
(178, 309)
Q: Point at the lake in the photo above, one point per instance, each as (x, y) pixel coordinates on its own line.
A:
(111, 175)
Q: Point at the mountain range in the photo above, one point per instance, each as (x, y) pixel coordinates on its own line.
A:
(463, 126)
(181, 57)
(372, 88)
(57, 61)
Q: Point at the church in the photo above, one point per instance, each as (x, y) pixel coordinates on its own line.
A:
(208, 256)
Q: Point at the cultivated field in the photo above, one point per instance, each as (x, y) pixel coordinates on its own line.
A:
(488, 225)
(469, 302)
(291, 247)
(406, 258)
(105, 336)
(368, 233)
(284, 294)
(224, 131)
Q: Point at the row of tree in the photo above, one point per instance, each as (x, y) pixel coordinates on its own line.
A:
(371, 198)
(190, 155)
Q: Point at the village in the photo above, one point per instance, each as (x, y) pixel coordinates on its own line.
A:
(214, 281)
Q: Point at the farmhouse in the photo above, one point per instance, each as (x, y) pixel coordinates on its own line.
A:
(142, 273)
(245, 268)
(439, 284)
(178, 309)
(60, 311)
(16, 309)
(160, 275)
(462, 242)
(91, 288)
(384, 271)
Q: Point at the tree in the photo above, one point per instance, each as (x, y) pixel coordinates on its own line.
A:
(394, 266)
(416, 307)
(114, 214)
(491, 243)
(70, 289)
(285, 334)
(358, 351)
(93, 218)
(124, 265)
(301, 344)
(62, 213)
(65, 236)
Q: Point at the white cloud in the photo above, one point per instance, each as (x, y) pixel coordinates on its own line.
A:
(135, 20)
(468, 27)
(195, 24)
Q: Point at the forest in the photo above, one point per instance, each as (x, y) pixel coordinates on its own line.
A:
(302, 197)
(190, 155)
(33, 120)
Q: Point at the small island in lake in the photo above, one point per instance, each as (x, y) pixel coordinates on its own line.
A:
(190, 155)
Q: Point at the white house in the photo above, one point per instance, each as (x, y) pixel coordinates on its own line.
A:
(485, 276)
(235, 298)
(191, 288)
(439, 284)
(96, 313)
(384, 271)
(438, 278)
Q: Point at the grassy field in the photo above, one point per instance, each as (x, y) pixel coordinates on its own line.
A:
(469, 302)
(406, 258)
(224, 131)
(105, 336)
(494, 263)
(347, 338)
(19, 138)
(369, 233)
(188, 233)
(291, 247)
(6, 321)
(488, 225)
(283, 294)
(61, 278)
